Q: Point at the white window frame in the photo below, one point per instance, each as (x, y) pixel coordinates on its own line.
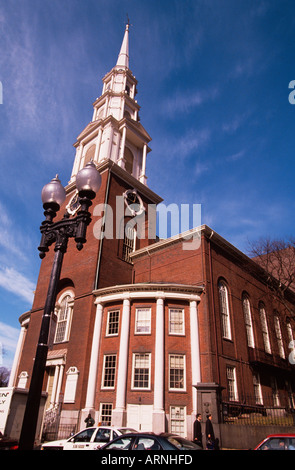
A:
(177, 389)
(108, 387)
(108, 322)
(224, 310)
(68, 321)
(129, 242)
(289, 331)
(177, 421)
(134, 364)
(275, 392)
(144, 322)
(176, 327)
(279, 336)
(231, 378)
(264, 328)
(109, 406)
(257, 389)
(248, 321)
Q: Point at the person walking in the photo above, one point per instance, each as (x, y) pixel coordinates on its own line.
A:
(210, 436)
(198, 430)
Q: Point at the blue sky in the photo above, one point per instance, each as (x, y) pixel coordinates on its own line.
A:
(213, 87)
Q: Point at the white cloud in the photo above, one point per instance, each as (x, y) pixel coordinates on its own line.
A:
(15, 282)
(186, 101)
(190, 142)
(8, 338)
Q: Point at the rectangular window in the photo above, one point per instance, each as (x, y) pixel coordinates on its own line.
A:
(106, 414)
(176, 321)
(143, 321)
(232, 383)
(178, 420)
(176, 372)
(109, 371)
(113, 322)
(141, 370)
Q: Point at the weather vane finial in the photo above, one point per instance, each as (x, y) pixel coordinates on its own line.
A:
(128, 21)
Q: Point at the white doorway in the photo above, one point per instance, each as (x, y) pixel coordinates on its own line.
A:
(140, 417)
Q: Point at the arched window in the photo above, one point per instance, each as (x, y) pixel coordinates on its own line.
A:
(248, 321)
(128, 242)
(64, 310)
(264, 328)
(89, 154)
(224, 310)
(278, 333)
(128, 156)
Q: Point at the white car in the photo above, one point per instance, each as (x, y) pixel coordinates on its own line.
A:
(88, 439)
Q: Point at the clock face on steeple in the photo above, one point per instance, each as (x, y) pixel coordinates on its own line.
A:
(133, 201)
(74, 204)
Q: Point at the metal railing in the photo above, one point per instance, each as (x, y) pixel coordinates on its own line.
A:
(250, 413)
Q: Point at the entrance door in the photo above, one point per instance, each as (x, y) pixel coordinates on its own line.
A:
(140, 417)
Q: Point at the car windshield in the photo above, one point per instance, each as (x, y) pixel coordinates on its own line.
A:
(182, 443)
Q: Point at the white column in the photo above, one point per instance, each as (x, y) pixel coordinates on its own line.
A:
(195, 351)
(91, 386)
(159, 412)
(17, 355)
(54, 386)
(142, 176)
(77, 161)
(61, 372)
(120, 410)
(121, 156)
(98, 142)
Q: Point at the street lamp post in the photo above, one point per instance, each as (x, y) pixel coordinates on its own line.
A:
(88, 182)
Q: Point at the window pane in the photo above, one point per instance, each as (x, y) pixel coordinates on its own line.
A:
(62, 320)
(109, 371)
(224, 310)
(176, 370)
(143, 320)
(113, 322)
(141, 373)
(176, 321)
(248, 322)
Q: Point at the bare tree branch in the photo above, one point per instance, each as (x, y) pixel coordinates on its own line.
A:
(277, 259)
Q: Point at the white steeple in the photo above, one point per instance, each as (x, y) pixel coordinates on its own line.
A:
(115, 132)
(123, 57)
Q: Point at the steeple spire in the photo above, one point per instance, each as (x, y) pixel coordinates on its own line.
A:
(115, 132)
(123, 58)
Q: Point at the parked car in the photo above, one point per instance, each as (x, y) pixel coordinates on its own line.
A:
(277, 442)
(88, 439)
(150, 441)
(6, 443)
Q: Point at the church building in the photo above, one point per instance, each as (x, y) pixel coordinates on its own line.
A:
(148, 332)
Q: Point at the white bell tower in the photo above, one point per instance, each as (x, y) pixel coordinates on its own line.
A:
(115, 132)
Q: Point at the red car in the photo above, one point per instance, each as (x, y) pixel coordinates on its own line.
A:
(277, 442)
